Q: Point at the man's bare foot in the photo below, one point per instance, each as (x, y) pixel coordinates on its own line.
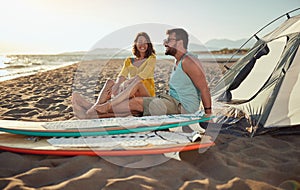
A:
(92, 114)
(103, 108)
(77, 99)
(79, 112)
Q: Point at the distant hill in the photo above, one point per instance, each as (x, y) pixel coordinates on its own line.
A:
(100, 51)
(217, 44)
(211, 45)
(73, 53)
(192, 47)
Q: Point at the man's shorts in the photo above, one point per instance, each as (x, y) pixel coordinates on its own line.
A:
(161, 105)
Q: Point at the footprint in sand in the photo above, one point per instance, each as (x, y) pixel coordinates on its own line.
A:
(24, 112)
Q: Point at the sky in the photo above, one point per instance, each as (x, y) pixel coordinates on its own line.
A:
(56, 26)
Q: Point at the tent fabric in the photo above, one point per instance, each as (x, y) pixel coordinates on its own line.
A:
(265, 83)
(291, 26)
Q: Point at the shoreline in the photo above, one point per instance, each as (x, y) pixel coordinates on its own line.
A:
(20, 70)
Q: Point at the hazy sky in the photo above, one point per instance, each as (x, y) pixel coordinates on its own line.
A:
(55, 26)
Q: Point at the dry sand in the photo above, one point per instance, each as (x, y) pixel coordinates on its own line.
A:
(262, 162)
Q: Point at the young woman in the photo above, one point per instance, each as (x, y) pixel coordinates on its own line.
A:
(139, 68)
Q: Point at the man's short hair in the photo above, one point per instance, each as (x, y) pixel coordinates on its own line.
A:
(181, 34)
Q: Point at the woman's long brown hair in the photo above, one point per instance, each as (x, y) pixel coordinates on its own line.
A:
(150, 50)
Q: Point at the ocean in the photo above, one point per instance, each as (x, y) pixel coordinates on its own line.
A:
(13, 66)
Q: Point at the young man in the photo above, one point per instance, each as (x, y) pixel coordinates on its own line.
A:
(188, 86)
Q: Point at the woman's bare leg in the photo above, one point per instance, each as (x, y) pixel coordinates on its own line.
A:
(135, 88)
(134, 106)
(105, 93)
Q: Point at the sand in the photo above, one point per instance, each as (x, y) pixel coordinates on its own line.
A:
(261, 162)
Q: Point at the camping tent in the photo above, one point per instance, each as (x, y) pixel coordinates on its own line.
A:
(265, 83)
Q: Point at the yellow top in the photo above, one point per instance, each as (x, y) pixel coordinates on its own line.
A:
(144, 71)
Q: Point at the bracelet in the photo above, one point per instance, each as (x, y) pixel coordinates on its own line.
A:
(209, 108)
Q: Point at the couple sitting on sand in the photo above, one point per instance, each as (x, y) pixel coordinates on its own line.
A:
(136, 95)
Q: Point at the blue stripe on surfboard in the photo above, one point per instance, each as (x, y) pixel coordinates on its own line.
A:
(98, 133)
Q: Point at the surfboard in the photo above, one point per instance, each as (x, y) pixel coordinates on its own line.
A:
(159, 142)
(106, 126)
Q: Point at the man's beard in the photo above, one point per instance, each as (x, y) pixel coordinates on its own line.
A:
(171, 51)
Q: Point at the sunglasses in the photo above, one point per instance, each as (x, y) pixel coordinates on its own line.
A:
(170, 39)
